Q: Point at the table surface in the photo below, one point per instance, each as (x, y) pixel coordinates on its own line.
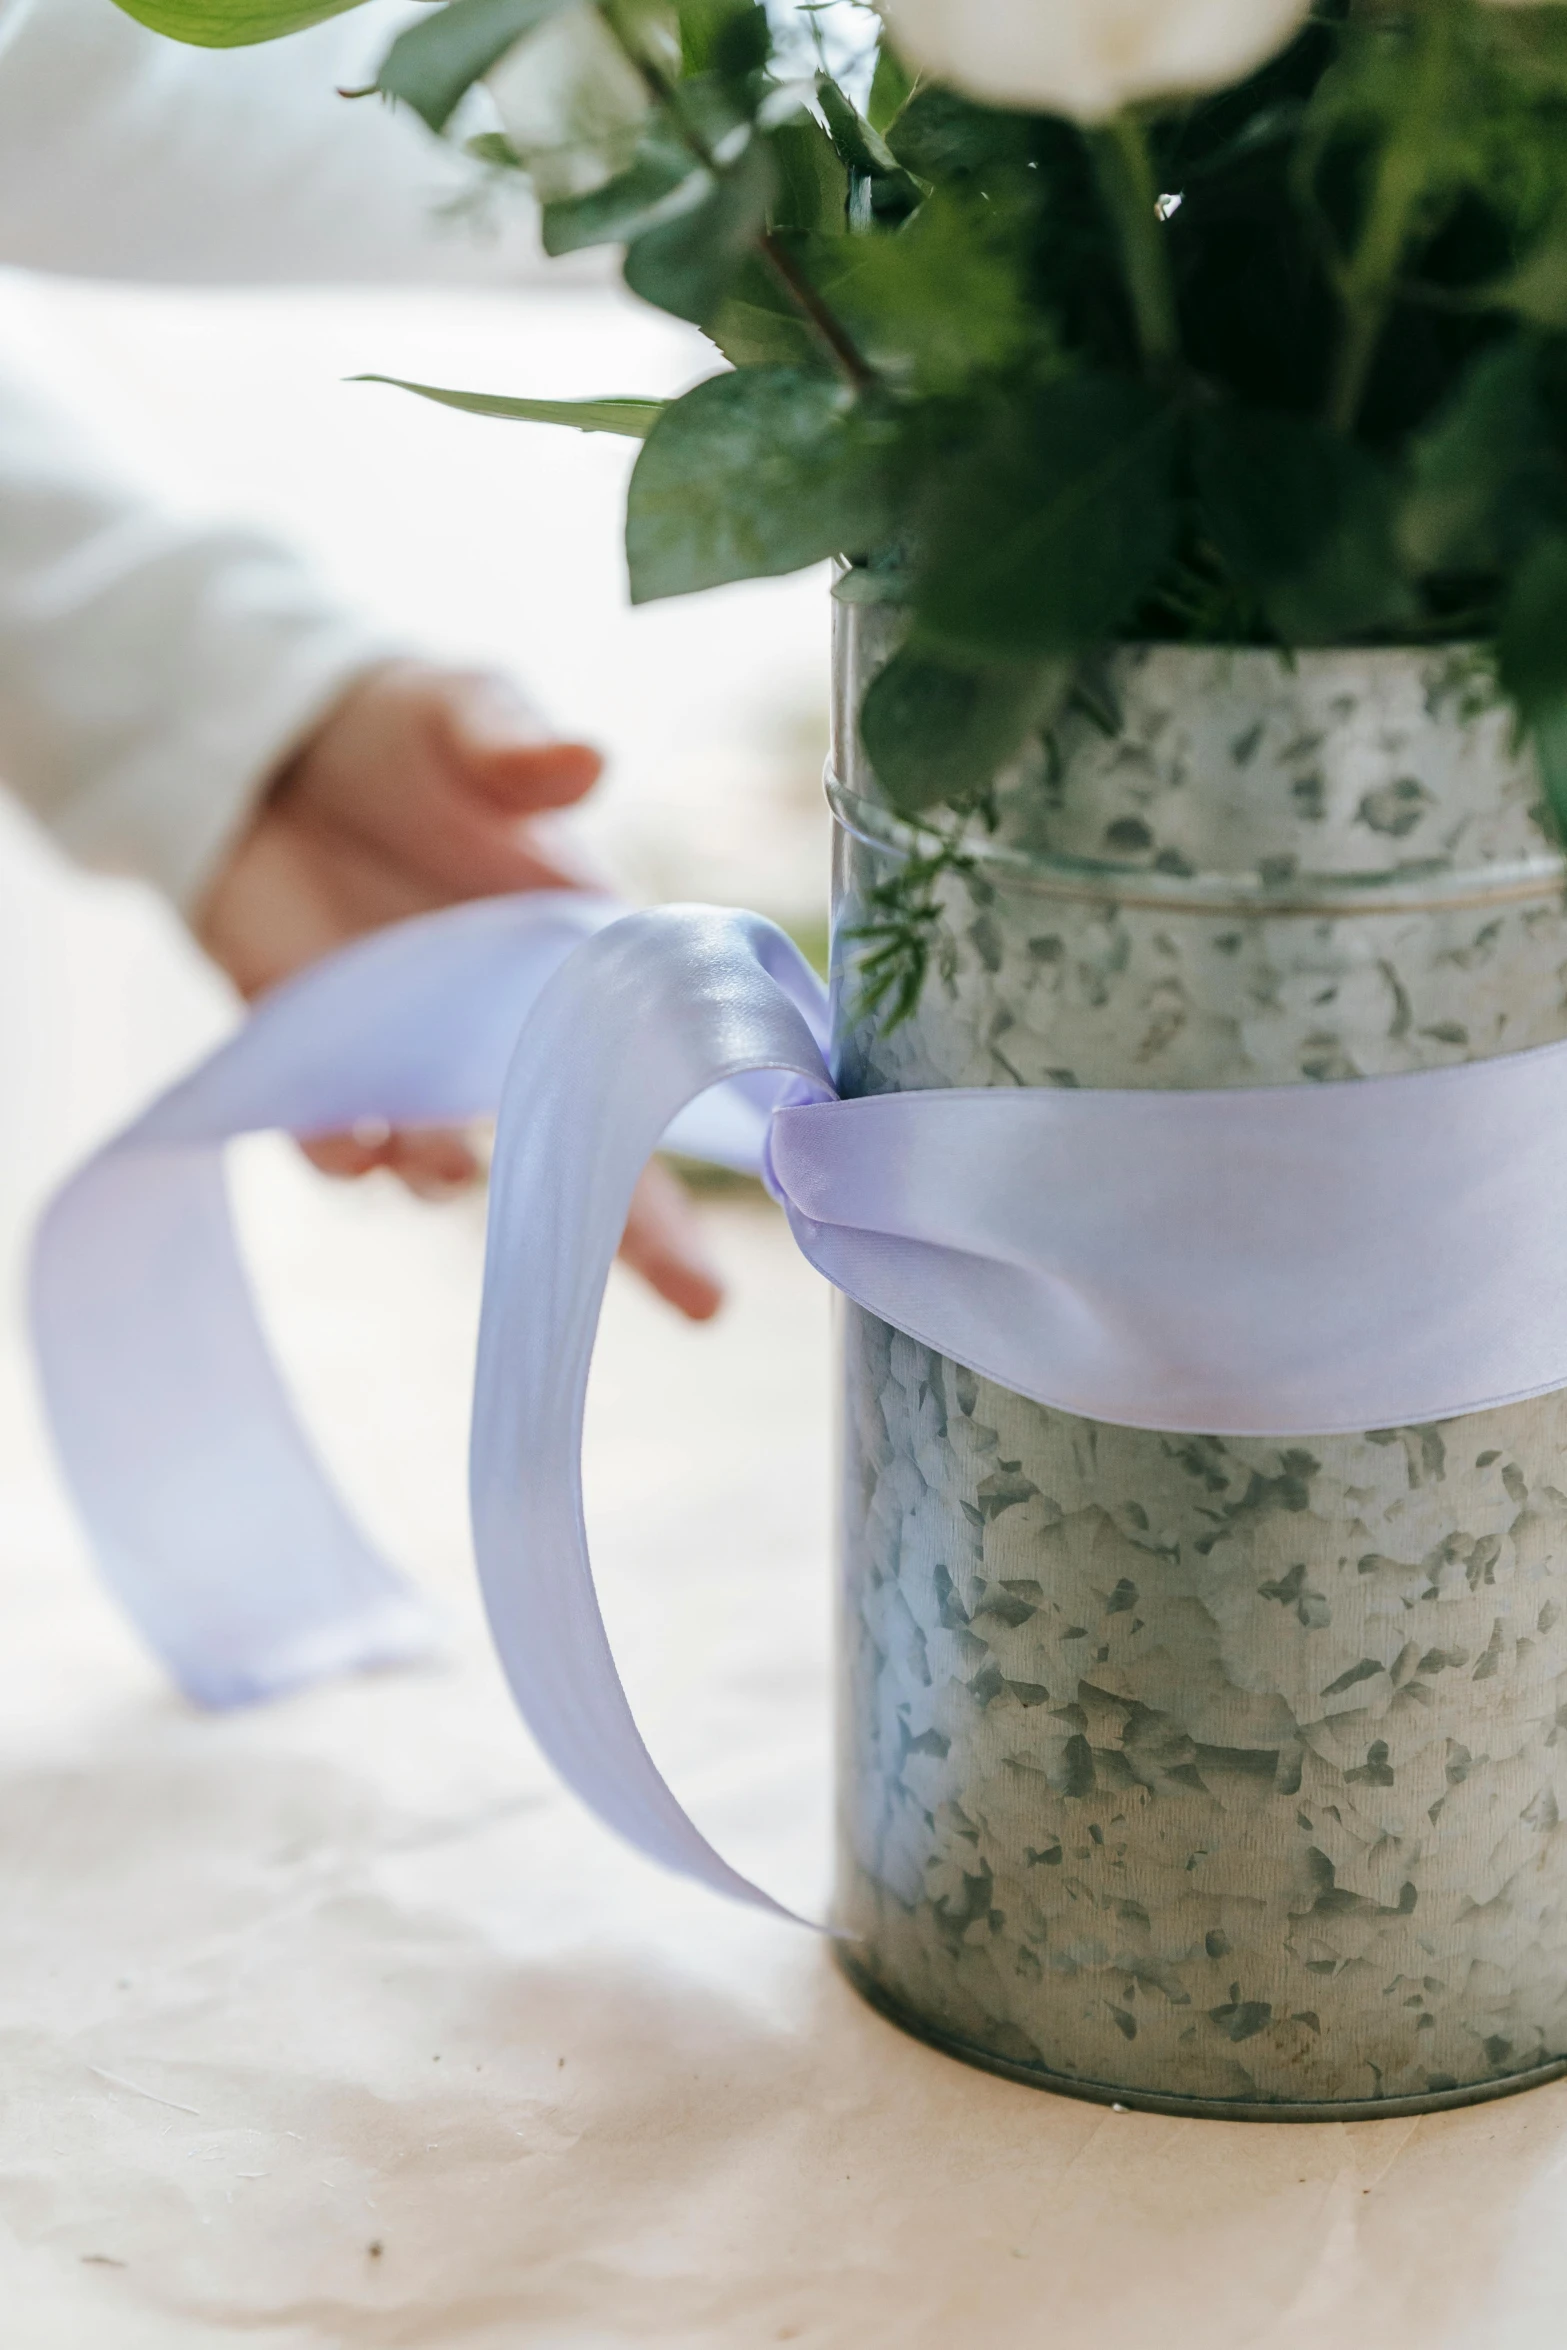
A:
(338, 2022)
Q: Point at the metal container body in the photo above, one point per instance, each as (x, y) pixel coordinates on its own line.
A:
(1218, 1776)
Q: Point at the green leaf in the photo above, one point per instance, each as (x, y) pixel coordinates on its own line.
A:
(759, 324)
(1044, 540)
(934, 732)
(940, 136)
(688, 263)
(634, 419)
(1485, 478)
(861, 147)
(626, 205)
(936, 302)
(495, 149)
(1537, 288)
(890, 192)
(1304, 518)
(1532, 662)
(892, 86)
(813, 187)
(756, 473)
(432, 66)
(232, 24)
(729, 38)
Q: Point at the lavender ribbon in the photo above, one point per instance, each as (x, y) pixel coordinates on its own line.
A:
(1274, 1262)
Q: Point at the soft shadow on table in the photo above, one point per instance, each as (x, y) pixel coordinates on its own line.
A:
(293, 2060)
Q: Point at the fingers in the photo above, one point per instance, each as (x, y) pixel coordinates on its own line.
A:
(663, 1241)
(434, 1163)
(432, 773)
(665, 1244)
(486, 728)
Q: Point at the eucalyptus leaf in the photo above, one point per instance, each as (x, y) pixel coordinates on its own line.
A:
(233, 24)
(755, 473)
(1043, 541)
(936, 733)
(688, 263)
(633, 419)
(1304, 518)
(436, 61)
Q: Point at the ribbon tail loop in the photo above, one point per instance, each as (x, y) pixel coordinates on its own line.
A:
(211, 1518)
(639, 1024)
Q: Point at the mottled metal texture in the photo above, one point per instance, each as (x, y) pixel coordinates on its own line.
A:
(1172, 1767)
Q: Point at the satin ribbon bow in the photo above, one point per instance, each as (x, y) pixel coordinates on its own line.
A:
(1280, 1261)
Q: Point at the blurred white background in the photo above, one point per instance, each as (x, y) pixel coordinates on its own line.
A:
(486, 541)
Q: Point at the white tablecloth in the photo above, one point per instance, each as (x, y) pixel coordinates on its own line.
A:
(338, 2023)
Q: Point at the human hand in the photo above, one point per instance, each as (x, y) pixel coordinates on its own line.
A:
(415, 792)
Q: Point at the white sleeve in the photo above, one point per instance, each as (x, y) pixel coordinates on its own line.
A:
(153, 673)
(126, 155)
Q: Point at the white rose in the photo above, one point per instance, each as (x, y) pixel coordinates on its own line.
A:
(1089, 58)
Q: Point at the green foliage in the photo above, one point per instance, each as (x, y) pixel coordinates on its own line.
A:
(858, 142)
(634, 419)
(688, 262)
(892, 86)
(624, 207)
(1303, 518)
(902, 934)
(1532, 661)
(812, 185)
(435, 63)
(729, 39)
(941, 136)
(1485, 476)
(232, 24)
(755, 473)
(760, 324)
(1285, 363)
(938, 733)
(937, 302)
(1041, 539)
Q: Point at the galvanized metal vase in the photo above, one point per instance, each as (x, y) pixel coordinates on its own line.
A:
(1210, 1776)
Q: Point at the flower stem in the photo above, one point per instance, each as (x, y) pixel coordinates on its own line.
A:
(822, 317)
(1126, 182)
(829, 328)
